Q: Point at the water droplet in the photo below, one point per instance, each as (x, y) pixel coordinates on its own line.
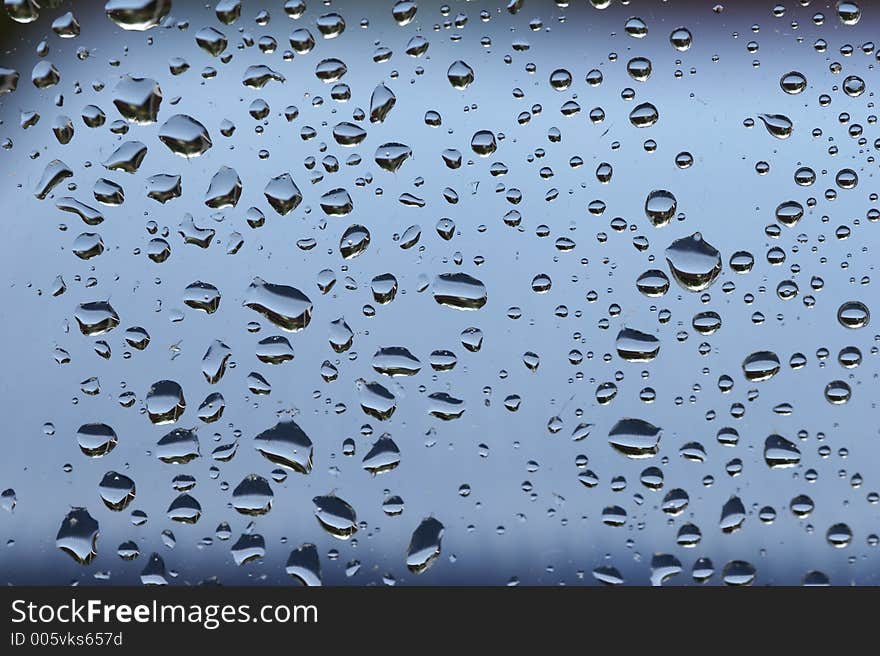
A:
(224, 189)
(96, 440)
(305, 565)
(138, 99)
(681, 39)
(793, 82)
(460, 75)
(283, 194)
(778, 125)
(381, 102)
(96, 318)
(635, 438)
(78, 536)
(653, 283)
(424, 545)
(738, 572)
(376, 400)
(354, 241)
(165, 403)
(459, 291)
(694, 262)
(55, 172)
(211, 40)
(849, 13)
(853, 314)
(483, 143)
(137, 15)
(839, 535)
(253, 496)
(335, 516)
(780, 452)
(184, 509)
(761, 365)
(286, 307)
(383, 456)
(838, 392)
(644, 115)
(286, 444)
(660, 206)
(117, 490)
(202, 296)
(733, 514)
(178, 447)
(391, 156)
(635, 346)
(396, 361)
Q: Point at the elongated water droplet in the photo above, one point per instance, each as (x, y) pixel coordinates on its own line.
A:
(285, 306)
(459, 291)
(694, 262)
(424, 545)
(336, 516)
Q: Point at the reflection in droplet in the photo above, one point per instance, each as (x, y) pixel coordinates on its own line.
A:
(780, 452)
(285, 306)
(304, 565)
(185, 136)
(138, 99)
(694, 262)
(78, 536)
(460, 75)
(853, 314)
(138, 15)
(778, 125)
(738, 572)
(178, 447)
(117, 490)
(286, 444)
(336, 516)
(164, 402)
(424, 545)
(838, 392)
(96, 440)
(635, 438)
(253, 496)
(459, 291)
(636, 346)
(761, 365)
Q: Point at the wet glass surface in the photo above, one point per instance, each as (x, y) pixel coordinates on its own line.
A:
(425, 293)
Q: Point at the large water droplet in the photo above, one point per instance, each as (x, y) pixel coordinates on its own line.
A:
(778, 125)
(285, 306)
(286, 444)
(304, 565)
(635, 438)
(78, 536)
(185, 136)
(460, 74)
(459, 291)
(336, 516)
(165, 403)
(138, 99)
(424, 545)
(138, 15)
(694, 262)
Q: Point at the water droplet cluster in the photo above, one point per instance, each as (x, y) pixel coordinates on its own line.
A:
(427, 293)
